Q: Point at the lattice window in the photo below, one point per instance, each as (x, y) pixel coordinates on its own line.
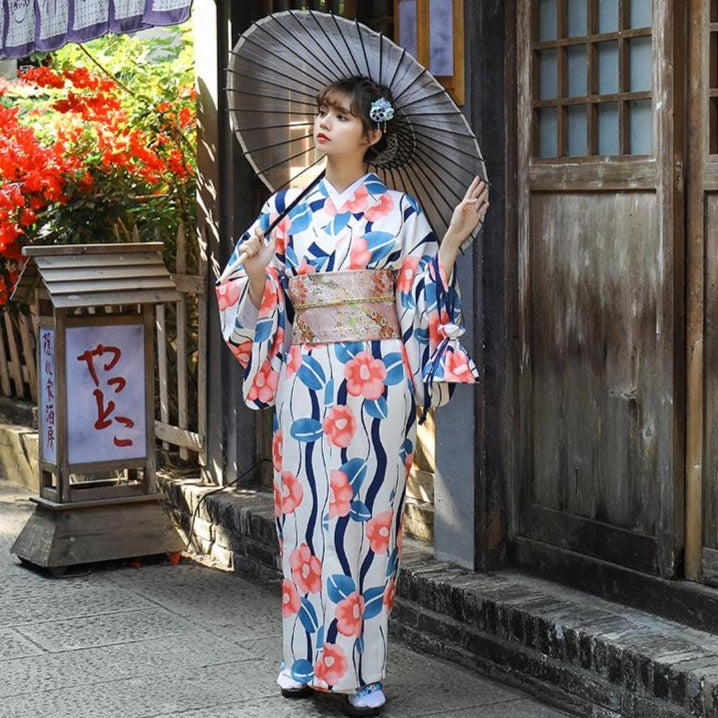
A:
(592, 77)
(713, 90)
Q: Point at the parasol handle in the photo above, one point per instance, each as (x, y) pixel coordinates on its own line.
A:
(231, 268)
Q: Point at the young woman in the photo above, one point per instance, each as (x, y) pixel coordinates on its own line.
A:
(347, 320)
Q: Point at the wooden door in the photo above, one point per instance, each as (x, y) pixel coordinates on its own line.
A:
(600, 281)
(702, 355)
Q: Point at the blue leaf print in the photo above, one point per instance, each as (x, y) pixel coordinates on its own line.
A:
(329, 394)
(422, 336)
(379, 244)
(376, 408)
(301, 218)
(373, 601)
(306, 430)
(346, 351)
(412, 202)
(325, 522)
(263, 330)
(394, 364)
(359, 511)
(359, 645)
(275, 422)
(338, 223)
(308, 615)
(320, 639)
(311, 373)
(355, 469)
(291, 256)
(375, 187)
(302, 671)
(391, 563)
(264, 221)
(406, 448)
(340, 586)
(407, 300)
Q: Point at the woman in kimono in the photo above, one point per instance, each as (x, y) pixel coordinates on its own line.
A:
(346, 320)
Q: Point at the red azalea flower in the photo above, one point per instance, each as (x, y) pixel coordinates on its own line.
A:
(405, 280)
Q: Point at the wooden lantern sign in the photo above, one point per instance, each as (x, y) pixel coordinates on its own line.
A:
(98, 491)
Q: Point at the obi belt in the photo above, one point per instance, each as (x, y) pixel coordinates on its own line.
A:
(348, 306)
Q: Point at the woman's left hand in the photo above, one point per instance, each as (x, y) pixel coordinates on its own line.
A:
(466, 217)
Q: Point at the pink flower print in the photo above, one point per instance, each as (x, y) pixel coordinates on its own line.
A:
(358, 202)
(281, 234)
(435, 321)
(277, 443)
(290, 599)
(341, 494)
(277, 498)
(408, 462)
(349, 615)
(407, 273)
(269, 301)
(242, 352)
(457, 367)
(380, 209)
(390, 595)
(292, 492)
(378, 531)
(264, 385)
(340, 425)
(228, 294)
(294, 360)
(332, 665)
(365, 376)
(306, 569)
(306, 268)
(329, 207)
(359, 256)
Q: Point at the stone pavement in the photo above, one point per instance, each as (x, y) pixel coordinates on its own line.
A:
(185, 640)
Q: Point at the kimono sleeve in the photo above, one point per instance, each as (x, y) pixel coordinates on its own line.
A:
(255, 336)
(429, 306)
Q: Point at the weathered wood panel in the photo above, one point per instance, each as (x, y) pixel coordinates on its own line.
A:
(710, 465)
(595, 264)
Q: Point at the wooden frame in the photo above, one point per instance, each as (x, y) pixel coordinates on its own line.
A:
(455, 84)
(593, 100)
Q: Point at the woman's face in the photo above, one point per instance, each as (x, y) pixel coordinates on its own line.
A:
(336, 131)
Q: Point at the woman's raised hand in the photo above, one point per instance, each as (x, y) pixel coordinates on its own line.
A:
(468, 214)
(259, 254)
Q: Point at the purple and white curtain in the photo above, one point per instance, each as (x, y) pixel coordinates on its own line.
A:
(28, 26)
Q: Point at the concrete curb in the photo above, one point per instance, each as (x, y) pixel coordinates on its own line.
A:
(574, 650)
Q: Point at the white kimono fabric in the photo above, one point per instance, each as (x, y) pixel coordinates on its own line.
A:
(345, 417)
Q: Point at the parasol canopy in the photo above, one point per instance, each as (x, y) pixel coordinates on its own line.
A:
(281, 63)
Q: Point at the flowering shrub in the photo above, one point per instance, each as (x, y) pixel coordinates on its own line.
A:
(98, 145)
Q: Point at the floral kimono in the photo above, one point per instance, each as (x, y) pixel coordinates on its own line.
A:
(345, 417)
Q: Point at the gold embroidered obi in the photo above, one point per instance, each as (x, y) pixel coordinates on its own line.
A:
(354, 305)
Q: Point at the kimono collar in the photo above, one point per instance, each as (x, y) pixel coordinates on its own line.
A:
(368, 188)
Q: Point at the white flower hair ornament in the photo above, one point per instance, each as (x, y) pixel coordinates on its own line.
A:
(381, 111)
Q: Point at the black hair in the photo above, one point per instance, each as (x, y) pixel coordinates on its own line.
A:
(362, 92)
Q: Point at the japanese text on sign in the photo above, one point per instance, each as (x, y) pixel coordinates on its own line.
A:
(106, 379)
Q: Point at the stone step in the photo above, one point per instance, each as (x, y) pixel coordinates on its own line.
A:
(582, 653)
